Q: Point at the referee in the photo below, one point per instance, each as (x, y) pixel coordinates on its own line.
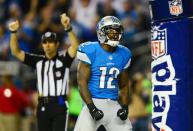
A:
(52, 70)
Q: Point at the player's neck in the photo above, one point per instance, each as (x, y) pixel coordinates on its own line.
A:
(108, 48)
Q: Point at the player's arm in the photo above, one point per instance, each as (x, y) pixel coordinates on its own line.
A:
(14, 46)
(83, 78)
(65, 20)
(124, 88)
(123, 95)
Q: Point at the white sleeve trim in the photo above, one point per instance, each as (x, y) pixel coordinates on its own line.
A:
(128, 64)
(83, 57)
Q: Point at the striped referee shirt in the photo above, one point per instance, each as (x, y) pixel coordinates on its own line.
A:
(52, 74)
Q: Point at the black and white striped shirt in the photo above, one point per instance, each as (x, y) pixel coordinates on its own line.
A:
(52, 74)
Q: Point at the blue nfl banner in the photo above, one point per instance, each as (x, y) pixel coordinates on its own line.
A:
(172, 70)
(172, 67)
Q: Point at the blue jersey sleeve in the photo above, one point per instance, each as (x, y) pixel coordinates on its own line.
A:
(86, 52)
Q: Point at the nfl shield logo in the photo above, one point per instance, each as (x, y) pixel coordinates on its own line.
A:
(158, 42)
(175, 7)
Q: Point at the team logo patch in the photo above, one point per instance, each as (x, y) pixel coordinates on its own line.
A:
(175, 7)
(110, 57)
(58, 74)
(158, 42)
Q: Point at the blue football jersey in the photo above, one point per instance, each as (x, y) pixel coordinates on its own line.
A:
(105, 68)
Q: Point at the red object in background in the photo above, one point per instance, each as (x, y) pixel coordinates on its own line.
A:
(12, 100)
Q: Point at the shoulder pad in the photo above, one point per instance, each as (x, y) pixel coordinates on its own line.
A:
(86, 52)
(87, 47)
(127, 55)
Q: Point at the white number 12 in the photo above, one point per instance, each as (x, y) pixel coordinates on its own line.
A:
(113, 71)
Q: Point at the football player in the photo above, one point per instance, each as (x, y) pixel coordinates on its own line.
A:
(103, 79)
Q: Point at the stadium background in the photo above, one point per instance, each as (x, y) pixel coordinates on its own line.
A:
(38, 16)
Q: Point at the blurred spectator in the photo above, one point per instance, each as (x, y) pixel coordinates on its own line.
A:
(14, 11)
(4, 43)
(46, 19)
(148, 90)
(143, 23)
(28, 117)
(75, 104)
(3, 10)
(62, 6)
(26, 33)
(47, 22)
(27, 28)
(130, 18)
(137, 109)
(118, 5)
(85, 14)
(105, 8)
(12, 103)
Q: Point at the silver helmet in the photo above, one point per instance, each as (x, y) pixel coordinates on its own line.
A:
(105, 25)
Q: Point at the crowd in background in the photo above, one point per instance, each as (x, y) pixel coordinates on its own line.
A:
(39, 16)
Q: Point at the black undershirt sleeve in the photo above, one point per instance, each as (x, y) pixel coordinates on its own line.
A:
(31, 59)
(68, 59)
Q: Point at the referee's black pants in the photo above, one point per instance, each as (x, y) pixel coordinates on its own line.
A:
(52, 116)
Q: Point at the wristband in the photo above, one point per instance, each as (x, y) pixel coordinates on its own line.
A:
(15, 31)
(91, 106)
(125, 107)
(68, 29)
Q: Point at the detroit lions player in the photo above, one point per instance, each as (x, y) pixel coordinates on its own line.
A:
(102, 72)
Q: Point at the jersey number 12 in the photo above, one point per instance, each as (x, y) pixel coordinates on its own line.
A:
(114, 72)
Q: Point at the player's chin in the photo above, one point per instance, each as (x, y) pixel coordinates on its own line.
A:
(48, 51)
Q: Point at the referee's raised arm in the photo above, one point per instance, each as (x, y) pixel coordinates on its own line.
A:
(65, 20)
(15, 49)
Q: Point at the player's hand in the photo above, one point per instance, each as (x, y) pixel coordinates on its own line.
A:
(123, 112)
(65, 20)
(13, 26)
(95, 113)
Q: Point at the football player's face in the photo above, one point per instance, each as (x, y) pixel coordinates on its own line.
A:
(113, 34)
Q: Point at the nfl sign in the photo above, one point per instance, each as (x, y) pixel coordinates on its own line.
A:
(158, 42)
(175, 7)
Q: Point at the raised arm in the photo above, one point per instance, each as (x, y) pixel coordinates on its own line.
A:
(83, 78)
(65, 20)
(15, 49)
